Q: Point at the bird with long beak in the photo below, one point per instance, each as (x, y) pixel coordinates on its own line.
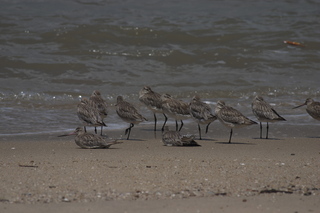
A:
(313, 108)
(231, 117)
(174, 138)
(264, 113)
(201, 112)
(153, 101)
(87, 140)
(101, 105)
(89, 114)
(128, 113)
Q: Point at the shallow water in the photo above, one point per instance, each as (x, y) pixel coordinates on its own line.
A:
(54, 53)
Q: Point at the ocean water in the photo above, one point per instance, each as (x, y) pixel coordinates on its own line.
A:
(52, 53)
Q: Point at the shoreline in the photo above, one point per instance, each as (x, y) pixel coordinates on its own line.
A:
(278, 130)
(48, 170)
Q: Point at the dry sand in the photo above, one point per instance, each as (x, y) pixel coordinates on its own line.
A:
(44, 173)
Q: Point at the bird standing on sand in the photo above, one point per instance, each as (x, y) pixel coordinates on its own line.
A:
(100, 104)
(89, 115)
(91, 141)
(313, 108)
(128, 113)
(174, 138)
(201, 112)
(231, 117)
(176, 109)
(264, 113)
(153, 101)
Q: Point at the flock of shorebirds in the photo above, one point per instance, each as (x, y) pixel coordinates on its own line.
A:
(92, 111)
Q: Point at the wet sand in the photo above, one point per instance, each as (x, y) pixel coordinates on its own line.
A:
(47, 173)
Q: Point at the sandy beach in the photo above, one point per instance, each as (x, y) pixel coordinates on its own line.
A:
(53, 54)
(48, 173)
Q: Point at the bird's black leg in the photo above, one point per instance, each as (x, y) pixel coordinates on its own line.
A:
(230, 136)
(155, 121)
(207, 128)
(260, 130)
(181, 125)
(129, 130)
(199, 128)
(267, 130)
(165, 121)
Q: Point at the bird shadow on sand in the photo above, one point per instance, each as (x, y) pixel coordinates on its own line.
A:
(205, 139)
(315, 137)
(98, 148)
(236, 143)
(188, 146)
(276, 139)
(133, 139)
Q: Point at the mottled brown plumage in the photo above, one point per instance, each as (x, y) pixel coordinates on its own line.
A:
(101, 105)
(264, 113)
(201, 112)
(87, 140)
(153, 101)
(88, 113)
(174, 138)
(128, 113)
(231, 117)
(313, 108)
(176, 109)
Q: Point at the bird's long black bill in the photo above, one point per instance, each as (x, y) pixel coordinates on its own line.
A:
(298, 106)
(64, 135)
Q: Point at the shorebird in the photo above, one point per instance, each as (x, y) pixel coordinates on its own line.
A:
(153, 101)
(174, 138)
(100, 104)
(87, 140)
(174, 108)
(88, 113)
(264, 113)
(231, 117)
(128, 113)
(201, 112)
(313, 108)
